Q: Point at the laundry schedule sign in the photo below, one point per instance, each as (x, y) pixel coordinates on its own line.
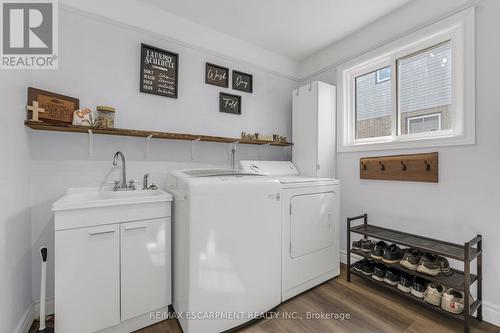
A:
(159, 71)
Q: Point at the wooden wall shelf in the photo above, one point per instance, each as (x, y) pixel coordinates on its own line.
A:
(145, 134)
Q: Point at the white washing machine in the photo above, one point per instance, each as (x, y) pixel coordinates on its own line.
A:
(226, 247)
(310, 217)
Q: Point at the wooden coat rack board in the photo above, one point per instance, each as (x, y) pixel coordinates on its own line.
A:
(415, 167)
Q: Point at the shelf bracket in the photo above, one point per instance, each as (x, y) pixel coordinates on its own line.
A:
(193, 144)
(288, 152)
(91, 143)
(146, 150)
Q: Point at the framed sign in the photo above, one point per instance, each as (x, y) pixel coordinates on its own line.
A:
(242, 81)
(216, 75)
(229, 103)
(58, 108)
(159, 71)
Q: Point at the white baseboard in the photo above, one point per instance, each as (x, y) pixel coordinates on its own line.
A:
(49, 307)
(343, 257)
(32, 313)
(26, 321)
(491, 313)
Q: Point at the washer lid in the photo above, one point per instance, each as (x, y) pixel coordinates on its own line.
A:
(270, 168)
(197, 173)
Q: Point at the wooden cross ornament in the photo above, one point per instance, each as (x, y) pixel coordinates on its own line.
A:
(35, 110)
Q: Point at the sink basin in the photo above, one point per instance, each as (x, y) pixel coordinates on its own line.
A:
(78, 198)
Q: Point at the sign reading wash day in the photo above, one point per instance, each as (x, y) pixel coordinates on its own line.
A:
(29, 38)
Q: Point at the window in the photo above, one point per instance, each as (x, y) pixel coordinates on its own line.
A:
(373, 106)
(383, 75)
(417, 91)
(422, 124)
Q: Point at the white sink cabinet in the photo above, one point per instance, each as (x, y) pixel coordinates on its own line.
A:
(112, 260)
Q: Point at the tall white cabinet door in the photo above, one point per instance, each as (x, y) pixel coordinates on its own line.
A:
(305, 129)
(145, 267)
(87, 271)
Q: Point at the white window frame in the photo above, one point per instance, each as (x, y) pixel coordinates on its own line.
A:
(423, 117)
(459, 30)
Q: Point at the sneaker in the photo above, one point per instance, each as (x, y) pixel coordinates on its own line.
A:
(434, 293)
(392, 276)
(367, 245)
(405, 282)
(418, 287)
(358, 265)
(445, 266)
(367, 267)
(430, 264)
(378, 250)
(356, 245)
(411, 259)
(392, 254)
(379, 272)
(453, 301)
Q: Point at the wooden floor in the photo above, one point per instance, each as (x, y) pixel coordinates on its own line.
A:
(370, 309)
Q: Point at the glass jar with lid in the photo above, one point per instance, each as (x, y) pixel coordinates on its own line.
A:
(105, 116)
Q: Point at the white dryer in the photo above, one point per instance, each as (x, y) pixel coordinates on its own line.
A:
(310, 217)
(226, 247)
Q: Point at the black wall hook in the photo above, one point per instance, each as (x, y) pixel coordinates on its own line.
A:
(403, 166)
(363, 166)
(427, 166)
(382, 166)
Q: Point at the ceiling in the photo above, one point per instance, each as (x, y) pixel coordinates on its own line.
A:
(295, 29)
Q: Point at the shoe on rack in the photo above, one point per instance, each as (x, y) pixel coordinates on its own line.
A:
(430, 264)
(418, 287)
(379, 272)
(358, 265)
(367, 245)
(445, 266)
(405, 282)
(378, 250)
(367, 267)
(411, 259)
(453, 301)
(356, 245)
(434, 293)
(392, 276)
(392, 254)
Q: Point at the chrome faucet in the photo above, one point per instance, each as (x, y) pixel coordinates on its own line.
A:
(123, 185)
(145, 183)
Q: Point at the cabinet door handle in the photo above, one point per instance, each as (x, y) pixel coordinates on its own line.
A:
(101, 232)
(136, 227)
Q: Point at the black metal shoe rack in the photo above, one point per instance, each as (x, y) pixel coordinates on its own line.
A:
(459, 280)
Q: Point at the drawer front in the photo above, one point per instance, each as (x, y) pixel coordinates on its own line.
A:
(145, 266)
(80, 218)
(87, 279)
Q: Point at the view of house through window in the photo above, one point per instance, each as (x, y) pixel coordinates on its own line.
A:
(373, 105)
(422, 124)
(424, 88)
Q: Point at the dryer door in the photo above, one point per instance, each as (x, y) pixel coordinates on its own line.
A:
(312, 223)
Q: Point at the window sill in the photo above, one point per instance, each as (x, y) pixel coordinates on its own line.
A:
(405, 143)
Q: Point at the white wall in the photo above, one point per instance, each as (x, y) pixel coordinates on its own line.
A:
(465, 200)
(99, 63)
(414, 15)
(15, 225)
